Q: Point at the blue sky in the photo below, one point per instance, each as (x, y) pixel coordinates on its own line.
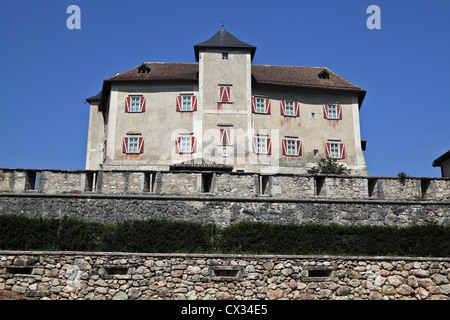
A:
(47, 70)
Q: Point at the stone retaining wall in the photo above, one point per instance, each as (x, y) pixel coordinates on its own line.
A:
(127, 276)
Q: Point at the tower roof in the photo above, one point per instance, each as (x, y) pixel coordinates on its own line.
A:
(223, 40)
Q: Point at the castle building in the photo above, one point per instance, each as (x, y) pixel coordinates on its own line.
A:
(224, 112)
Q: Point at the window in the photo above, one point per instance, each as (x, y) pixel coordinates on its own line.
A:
(335, 150)
(225, 94)
(186, 103)
(324, 75)
(262, 145)
(224, 138)
(290, 108)
(292, 147)
(261, 105)
(224, 55)
(185, 144)
(332, 111)
(135, 104)
(133, 144)
(143, 69)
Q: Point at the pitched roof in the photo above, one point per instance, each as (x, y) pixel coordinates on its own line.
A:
(285, 76)
(223, 39)
(437, 162)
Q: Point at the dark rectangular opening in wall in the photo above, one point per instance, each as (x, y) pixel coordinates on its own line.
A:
(264, 185)
(90, 181)
(371, 186)
(319, 181)
(324, 273)
(19, 270)
(207, 179)
(225, 273)
(149, 181)
(110, 271)
(424, 185)
(31, 179)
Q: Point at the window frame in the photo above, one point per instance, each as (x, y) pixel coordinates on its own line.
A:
(291, 105)
(133, 141)
(258, 104)
(186, 100)
(332, 112)
(225, 56)
(183, 144)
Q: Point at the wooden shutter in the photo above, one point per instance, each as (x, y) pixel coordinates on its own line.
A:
(125, 145)
(284, 146)
(267, 106)
(341, 151)
(255, 149)
(325, 111)
(225, 94)
(253, 104)
(194, 103)
(297, 108)
(142, 104)
(282, 108)
(339, 111)
(178, 145)
(179, 103)
(327, 150)
(224, 136)
(141, 145)
(299, 148)
(127, 104)
(269, 146)
(193, 144)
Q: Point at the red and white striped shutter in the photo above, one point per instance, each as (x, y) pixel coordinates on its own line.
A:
(178, 145)
(225, 94)
(127, 104)
(254, 146)
(228, 94)
(125, 145)
(284, 146)
(222, 138)
(282, 108)
(267, 106)
(341, 151)
(325, 111)
(327, 150)
(339, 111)
(299, 148)
(179, 103)
(141, 145)
(269, 146)
(297, 108)
(253, 104)
(228, 137)
(193, 144)
(142, 104)
(194, 103)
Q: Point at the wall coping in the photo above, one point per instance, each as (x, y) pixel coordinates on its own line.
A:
(223, 256)
(211, 197)
(230, 173)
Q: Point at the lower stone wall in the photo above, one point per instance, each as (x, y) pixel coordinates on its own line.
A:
(127, 276)
(224, 211)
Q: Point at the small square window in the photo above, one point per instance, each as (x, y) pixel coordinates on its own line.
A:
(224, 55)
(313, 115)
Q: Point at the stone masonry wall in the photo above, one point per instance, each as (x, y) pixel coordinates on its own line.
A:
(127, 276)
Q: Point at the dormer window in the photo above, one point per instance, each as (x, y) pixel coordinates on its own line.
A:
(324, 74)
(143, 69)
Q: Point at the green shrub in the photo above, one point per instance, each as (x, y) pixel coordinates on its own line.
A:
(165, 236)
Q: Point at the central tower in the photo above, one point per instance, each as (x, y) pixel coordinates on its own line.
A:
(225, 91)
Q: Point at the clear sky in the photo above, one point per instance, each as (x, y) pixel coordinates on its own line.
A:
(47, 70)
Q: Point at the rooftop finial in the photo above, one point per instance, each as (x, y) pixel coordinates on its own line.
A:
(221, 21)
